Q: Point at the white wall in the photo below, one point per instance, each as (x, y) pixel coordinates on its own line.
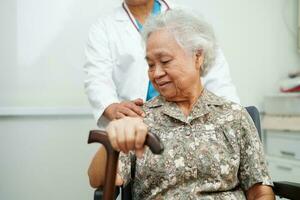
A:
(45, 157)
(43, 51)
(44, 121)
(8, 47)
(41, 58)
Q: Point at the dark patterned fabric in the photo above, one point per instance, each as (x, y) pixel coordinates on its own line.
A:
(214, 153)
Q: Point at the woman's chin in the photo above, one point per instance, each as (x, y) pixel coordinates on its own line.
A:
(168, 96)
(168, 91)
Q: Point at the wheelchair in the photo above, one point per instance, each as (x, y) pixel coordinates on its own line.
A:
(282, 189)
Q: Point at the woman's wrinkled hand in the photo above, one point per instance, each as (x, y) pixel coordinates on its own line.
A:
(125, 108)
(128, 134)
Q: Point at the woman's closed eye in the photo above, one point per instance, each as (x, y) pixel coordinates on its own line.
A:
(165, 61)
(151, 65)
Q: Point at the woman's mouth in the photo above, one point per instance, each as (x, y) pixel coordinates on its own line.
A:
(163, 84)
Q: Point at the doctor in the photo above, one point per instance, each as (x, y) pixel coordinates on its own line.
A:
(117, 83)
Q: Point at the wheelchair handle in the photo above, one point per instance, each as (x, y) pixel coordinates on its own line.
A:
(152, 141)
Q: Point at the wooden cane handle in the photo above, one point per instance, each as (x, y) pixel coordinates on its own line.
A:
(152, 141)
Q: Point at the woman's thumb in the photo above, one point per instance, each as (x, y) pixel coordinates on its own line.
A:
(119, 180)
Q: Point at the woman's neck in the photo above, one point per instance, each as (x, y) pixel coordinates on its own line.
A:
(187, 105)
(142, 11)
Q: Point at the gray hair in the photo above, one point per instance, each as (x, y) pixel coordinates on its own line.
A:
(191, 32)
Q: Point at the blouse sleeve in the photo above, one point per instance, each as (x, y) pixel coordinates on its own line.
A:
(253, 167)
(124, 168)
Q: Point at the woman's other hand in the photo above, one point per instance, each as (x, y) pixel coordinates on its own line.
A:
(96, 171)
(260, 192)
(127, 134)
(125, 108)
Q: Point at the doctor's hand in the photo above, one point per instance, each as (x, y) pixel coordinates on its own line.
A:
(125, 108)
(128, 134)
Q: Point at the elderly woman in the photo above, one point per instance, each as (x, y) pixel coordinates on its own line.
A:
(212, 149)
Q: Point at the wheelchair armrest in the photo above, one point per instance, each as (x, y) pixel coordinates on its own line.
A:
(98, 194)
(286, 189)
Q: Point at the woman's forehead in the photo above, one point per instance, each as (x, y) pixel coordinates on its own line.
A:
(163, 40)
(158, 53)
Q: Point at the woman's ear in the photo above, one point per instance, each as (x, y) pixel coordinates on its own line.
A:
(199, 58)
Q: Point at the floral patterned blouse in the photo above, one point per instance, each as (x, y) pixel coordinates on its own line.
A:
(214, 153)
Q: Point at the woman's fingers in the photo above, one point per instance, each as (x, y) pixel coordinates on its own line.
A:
(121, 136)
(140, 137)
(127, 134)
(140, 152)
(130, 137)
(112, 136)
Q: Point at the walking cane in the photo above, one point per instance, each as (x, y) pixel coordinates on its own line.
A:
(152, 141)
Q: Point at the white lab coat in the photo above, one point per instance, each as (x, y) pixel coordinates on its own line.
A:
(117, 70)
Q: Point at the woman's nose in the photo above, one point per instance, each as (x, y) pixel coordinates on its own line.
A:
(159, 72)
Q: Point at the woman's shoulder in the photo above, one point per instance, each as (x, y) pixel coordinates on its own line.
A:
(153, 108)
(224, 103)
(153, 103)
(223, 108)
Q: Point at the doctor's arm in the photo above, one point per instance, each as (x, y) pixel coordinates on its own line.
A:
(99, 84)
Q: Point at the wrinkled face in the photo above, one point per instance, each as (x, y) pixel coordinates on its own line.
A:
(136, 2)
(172, 70)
